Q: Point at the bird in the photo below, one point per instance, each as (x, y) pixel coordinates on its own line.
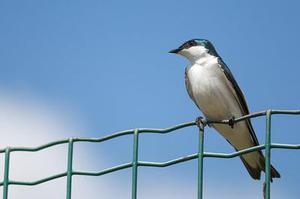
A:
(214, 90)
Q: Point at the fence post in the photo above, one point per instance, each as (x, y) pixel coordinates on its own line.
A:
(268, 154)
(6, 173)
(70, 168)
(135, 163)
(200, 160)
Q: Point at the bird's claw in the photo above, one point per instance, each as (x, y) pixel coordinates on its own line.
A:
(201, 122)
(231, 122)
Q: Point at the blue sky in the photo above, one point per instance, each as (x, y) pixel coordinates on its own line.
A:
(103, 66)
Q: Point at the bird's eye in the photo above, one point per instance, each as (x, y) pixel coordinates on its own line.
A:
(187, 45)
(192, 43)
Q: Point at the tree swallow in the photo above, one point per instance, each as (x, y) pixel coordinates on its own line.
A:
(212, 87)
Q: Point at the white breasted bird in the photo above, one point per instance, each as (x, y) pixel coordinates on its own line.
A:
(212, 87)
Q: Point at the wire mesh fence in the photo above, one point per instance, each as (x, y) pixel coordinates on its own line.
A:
(135, 164)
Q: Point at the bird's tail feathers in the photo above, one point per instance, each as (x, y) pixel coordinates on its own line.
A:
(274, 172)
(255, 173)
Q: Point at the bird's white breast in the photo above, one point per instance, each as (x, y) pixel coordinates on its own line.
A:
(211, 91)
(215, 97)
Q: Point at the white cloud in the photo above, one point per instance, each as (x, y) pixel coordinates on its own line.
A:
(26, 121)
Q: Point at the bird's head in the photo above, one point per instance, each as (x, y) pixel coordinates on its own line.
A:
(195, 49)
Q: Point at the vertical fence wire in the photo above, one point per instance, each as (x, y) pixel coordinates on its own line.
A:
(6, 173)
(268, 154)
(70, 168)
(200, 160)
(135, 163)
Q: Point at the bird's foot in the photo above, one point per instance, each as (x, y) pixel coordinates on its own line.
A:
(231, 122)
(201, 122)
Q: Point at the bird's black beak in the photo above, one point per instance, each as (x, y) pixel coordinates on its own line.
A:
(175, 51)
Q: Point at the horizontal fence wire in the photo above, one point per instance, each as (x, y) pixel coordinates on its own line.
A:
(136, 163)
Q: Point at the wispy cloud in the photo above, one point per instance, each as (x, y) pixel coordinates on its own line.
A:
(26, 121)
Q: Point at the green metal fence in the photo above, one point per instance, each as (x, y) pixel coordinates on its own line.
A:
(135, 164)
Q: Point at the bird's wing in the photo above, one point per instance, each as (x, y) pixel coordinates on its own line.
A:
(255, 173)
(240, 98)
